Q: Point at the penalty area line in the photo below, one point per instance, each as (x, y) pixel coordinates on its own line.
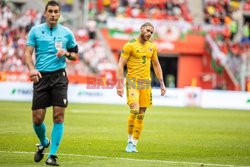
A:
(130, 159)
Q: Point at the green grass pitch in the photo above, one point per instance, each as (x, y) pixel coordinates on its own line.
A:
(96, 135)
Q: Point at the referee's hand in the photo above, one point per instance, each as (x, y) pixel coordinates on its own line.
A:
(35, 75)
(60, 53)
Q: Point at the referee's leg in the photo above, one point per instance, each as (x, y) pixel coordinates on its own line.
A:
(40, 129)
(38, 116)
(58, 128)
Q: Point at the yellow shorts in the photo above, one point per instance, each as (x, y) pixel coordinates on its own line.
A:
(135, 94)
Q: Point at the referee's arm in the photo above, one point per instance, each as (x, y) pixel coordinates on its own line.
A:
(34, 74)
(28, 57)
(72, 53)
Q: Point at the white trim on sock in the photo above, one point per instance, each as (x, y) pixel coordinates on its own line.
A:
(130, 138)
(135, 142)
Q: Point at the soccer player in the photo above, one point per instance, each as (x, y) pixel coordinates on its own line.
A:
(138, 54)
(53, 44)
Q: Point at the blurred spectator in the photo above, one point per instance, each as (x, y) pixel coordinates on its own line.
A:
(219, 12)
(165, 9)
(246, 6)
(246, 33)
(226, 13)
(13, 31)
(91, 27)
(66, 5)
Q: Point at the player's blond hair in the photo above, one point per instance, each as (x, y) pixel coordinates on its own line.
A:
(147, 24)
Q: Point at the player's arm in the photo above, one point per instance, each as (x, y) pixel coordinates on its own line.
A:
(125, 54)
(158, 73)
(34, 74)
(120, 73)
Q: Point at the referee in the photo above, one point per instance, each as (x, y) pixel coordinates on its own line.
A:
(53, 44)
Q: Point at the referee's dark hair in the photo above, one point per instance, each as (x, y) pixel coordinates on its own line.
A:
(52, 3)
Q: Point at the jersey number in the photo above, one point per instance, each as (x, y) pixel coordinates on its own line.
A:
(144, 59)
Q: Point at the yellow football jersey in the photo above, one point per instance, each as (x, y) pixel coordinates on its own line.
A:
(139, 58)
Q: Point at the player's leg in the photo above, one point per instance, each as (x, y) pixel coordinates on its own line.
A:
(133, 102)
(134, 110)
(139, 124)
(145, 100)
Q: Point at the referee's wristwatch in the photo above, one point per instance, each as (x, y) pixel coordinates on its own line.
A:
(68, 55)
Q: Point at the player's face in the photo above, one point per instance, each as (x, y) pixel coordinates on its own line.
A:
(146, 32)
(52, 14)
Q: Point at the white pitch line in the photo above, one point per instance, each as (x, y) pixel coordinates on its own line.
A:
(131, 159)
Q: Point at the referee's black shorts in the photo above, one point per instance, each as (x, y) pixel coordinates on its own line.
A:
(51, 90)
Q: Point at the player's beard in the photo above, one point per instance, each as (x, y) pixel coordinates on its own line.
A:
(145, 38)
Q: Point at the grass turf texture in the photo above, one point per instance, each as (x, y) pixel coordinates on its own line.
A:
(96, 135)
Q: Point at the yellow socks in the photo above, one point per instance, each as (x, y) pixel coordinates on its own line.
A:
(131, 120)
(135, 125)
(139, 123)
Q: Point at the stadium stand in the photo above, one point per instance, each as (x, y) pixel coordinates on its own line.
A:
(228, 14)
(13, 31)
(157, 10)
(225, 21)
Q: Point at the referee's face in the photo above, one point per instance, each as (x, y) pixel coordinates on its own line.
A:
(52, 15)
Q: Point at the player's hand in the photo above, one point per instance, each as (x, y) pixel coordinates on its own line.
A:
(60, 53)
(120, 92)
(163, 90)
(35, 75)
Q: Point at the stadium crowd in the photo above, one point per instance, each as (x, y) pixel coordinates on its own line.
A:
(13, 32)
(14, 27)
(227, 13)
(159, 10)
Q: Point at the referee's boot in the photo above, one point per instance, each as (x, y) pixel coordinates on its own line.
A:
(40, 151)
(52, 160)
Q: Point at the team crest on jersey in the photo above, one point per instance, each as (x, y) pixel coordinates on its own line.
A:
(132, 94)
(150, 49)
